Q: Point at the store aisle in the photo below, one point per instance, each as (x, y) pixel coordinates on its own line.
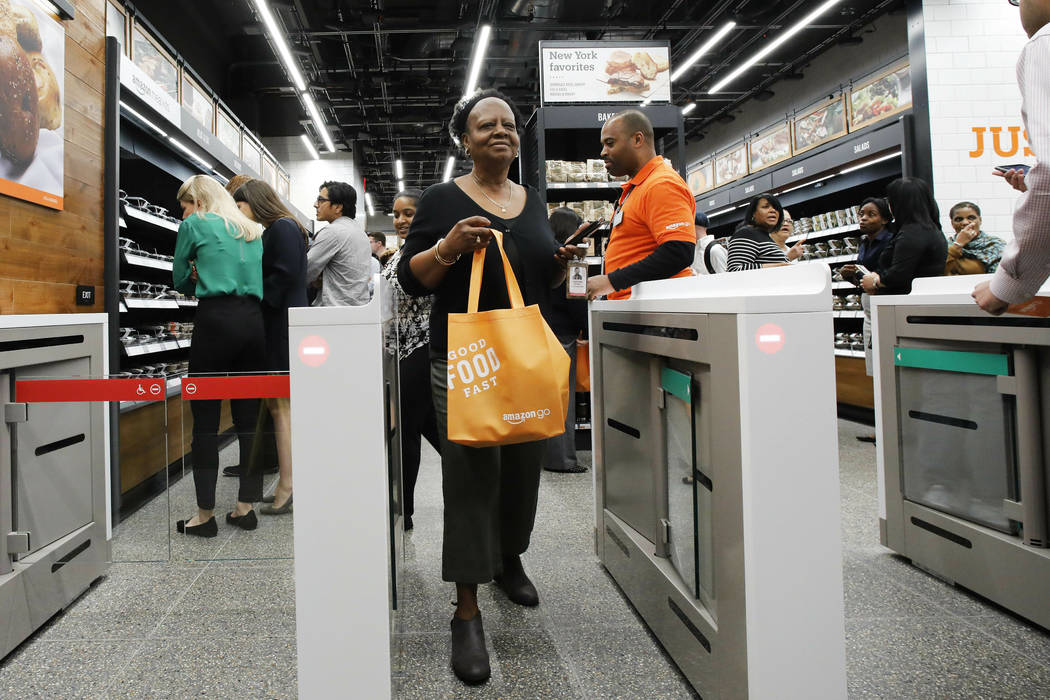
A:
(224, 629)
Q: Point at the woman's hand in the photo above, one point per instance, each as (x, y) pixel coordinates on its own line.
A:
(870, 282)
(468, 235)
(967, 234)
(795, 252)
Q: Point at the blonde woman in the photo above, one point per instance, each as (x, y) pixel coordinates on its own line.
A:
(218, 259)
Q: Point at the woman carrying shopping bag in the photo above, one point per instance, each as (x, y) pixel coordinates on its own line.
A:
(490, 493)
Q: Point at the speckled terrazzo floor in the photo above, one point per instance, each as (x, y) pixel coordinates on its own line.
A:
(216, 619)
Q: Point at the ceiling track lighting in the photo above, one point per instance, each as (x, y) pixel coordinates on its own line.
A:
(368, 204)
(309, 146)
(280, 43)
(484, 34)
(688, 108)
(773, 45)
(315, 115)
(708, 45)
(399, 169)
(449, 165)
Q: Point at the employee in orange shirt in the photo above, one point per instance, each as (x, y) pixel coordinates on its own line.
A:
(652, 236)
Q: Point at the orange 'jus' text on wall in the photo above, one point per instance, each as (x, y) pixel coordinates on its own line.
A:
(997, 131)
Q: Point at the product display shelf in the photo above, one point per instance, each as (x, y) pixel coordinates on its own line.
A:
(143, 261)
(148, 218)
(828, 233)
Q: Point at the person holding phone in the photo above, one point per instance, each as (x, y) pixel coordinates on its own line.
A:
(652, 230)
(971, 251)
(1025, 264)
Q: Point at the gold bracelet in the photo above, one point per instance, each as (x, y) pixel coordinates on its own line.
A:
(441, 260)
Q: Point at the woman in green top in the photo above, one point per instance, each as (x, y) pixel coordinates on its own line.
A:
(218, 259)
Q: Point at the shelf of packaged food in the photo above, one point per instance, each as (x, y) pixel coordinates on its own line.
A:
(186, 302)
(831, 260)
(153, 303)
(828, 233)
(841, 352)
(843, 285)
(122, 307)
(584, 185)
(143, 261)
(151, 348)
(174, 385)
(583, 426)
(849, 313)
(149, 218)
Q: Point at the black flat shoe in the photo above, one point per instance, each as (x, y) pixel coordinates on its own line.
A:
(470, 658)
(235, 470)
(516, 584)
(248, 521)
(578, 469)
(209, 528)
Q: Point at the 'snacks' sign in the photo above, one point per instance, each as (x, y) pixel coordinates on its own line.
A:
(604, 72)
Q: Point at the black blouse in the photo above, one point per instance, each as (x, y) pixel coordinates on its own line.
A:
(916, 251)
(528, 240)
(284, 266)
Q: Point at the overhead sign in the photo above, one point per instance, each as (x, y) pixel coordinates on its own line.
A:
(602, 71)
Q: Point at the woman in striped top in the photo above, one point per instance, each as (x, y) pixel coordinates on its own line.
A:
(751, 246)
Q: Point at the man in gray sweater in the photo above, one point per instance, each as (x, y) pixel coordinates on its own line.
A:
(340, 253)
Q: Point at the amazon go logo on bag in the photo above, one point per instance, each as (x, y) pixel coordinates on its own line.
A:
(474, 366)
(519, 418)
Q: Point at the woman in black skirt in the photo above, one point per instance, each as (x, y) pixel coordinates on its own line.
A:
(490, 493)
(284, 286)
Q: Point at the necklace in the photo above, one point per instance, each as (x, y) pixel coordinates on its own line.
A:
(502, 207)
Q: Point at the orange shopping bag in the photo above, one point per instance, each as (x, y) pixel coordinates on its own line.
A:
(508, 376)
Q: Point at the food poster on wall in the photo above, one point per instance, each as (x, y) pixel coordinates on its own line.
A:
(598, 72)
(228, 133)
(32, 129)
(881, 97)
(731, 165)
(820, 125)
(700, 178)
(770, 147)
(154, 63)
(198, 103)
(251, 156)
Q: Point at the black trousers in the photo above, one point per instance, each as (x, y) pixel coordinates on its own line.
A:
(228, 338)
(490, 496)
(418, 420)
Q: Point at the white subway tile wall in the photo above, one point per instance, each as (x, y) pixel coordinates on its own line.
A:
(971, 54)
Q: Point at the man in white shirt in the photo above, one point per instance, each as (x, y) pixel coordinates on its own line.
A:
(1026, 261)
(710, 257)
(340, 253)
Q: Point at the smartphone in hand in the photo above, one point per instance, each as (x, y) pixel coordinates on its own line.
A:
(1016, 166)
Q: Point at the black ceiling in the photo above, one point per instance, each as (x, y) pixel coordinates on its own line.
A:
(386, 73)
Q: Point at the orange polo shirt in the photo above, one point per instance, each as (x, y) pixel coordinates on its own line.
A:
(656, 206)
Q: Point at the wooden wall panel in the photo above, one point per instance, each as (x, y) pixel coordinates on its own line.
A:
(44, 254)
(854, 386)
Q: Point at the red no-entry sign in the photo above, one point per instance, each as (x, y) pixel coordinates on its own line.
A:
(769, 338)
(313, 350)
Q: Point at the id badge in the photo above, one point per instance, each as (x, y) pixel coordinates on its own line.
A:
(617, 219)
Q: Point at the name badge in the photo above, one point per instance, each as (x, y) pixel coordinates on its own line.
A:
(617, 219)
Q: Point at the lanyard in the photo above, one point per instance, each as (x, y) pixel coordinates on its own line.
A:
(621, 202)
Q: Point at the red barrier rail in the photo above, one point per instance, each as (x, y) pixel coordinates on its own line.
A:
(152, 389)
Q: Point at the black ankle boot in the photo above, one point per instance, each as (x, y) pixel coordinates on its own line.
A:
(516, 584)
(470, 658)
